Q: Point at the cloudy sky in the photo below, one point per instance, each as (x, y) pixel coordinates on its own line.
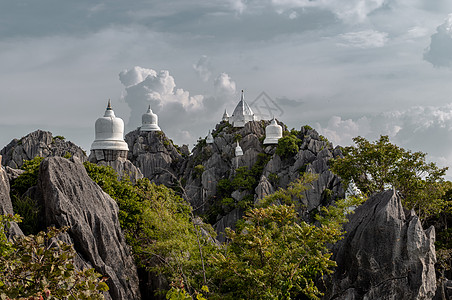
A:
(347, 68)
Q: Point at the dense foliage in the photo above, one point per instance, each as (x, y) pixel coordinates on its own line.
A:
(288, 145)
(29, 178)
(380, 165)
(42, 267)
(23, 205)
(243, 180)
(160, 228)
(276, 255)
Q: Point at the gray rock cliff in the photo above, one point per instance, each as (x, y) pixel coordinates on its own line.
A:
(384, 255)
(154, 154)
(211, 163)
(38, 143)
(6, 207)
(71, 198)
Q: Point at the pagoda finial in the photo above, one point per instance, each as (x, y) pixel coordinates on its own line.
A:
(149, 109)
(109, 105)
(242, 96)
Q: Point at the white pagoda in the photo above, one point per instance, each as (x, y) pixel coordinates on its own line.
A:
(209, 138)
(242, 114)
(273, 133)
(149, 121)
(109, 141)
(238, 149)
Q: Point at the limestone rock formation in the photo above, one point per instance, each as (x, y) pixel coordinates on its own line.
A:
(211, 166)
(154, 154)
(38, 143)
(385, 254)
(263, 189)
(6, 206)
(71, 198)
(13, 173)
(122, 166)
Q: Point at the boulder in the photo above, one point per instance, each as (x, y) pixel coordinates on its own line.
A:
(38, 143)
(71, 198)
(385, 254)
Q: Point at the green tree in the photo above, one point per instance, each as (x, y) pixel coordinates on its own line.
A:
(42, 267)
(160, 227)
(288, 145)
(381, 165)
(276, 255)
(23, 205)
(29, 178)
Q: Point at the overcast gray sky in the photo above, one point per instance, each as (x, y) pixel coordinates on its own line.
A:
(347, 68)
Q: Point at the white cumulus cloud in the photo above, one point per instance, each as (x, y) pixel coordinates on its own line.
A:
(341, 132)
(224, 85)
(135, 75)
(418, 128)
(158, 89)
(439, 53)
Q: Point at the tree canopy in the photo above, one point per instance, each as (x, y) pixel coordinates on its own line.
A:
(42, 267)
(276, 255)
(376, 166)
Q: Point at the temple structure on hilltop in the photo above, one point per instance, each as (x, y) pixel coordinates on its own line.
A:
(149, 121)
(273, 133)
(209, 138)
(238, 150)
(109, 144)
(242, 114)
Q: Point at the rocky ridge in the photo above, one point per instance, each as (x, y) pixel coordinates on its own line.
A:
(6, 207)
(70, 198)
(38, 143)
(214, 164)
(155, 155)
(384, 255)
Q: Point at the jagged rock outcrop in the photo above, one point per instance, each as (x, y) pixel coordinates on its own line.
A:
(13, 173)
(6, 206)
(155, 155)
(38, 143)
(211, 163)
(70, 198)
(385, 254)
(123, 167)
(263, 189)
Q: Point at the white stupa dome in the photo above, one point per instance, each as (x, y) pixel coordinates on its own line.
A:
(149, 121)
(238, 150)
(209, 138)
(273, 133)
(109, 132)
(225, 116)
(242, 113)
